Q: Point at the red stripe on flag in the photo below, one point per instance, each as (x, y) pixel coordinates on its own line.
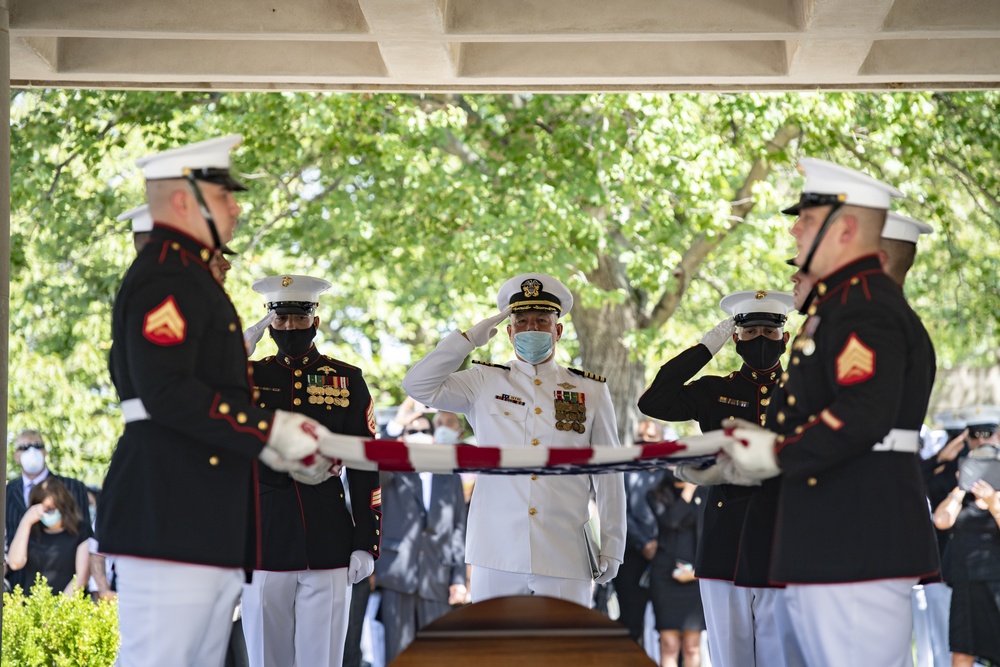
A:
(469, 456)
(659, 449)
(390, 455)
(569, 456)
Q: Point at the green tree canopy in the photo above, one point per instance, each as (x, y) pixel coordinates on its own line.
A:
(417, 207)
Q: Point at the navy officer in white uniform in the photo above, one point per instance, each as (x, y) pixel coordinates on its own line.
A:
(525, 532)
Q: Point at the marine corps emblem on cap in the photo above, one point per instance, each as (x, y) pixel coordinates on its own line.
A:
(291, 295)
(758, 307)
(530, 288)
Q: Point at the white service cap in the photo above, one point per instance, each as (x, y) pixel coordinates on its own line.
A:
(291, 294)
(828, 183)
(901, 228)
(950, 420)
(535, 291)
(142, 221)
(981, 415)
(758, 307)
(206, 160)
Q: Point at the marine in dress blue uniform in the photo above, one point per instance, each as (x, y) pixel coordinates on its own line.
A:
(851, 533)
(526, 532)
(740, 615)
(295, 609)
(173, 508)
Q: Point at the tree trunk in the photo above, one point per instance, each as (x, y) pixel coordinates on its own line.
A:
(601, 331)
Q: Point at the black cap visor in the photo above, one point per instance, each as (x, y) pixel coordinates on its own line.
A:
(760, 320)
(292, 307)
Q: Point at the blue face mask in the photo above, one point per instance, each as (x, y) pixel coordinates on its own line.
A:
(51, 518)
(533, 346)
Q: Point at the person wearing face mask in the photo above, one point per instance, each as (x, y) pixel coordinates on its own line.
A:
(526, 532)
(971, 515)
(48, 540)
(742, 628)
(309, 549)
(30, 454)
(421, 574)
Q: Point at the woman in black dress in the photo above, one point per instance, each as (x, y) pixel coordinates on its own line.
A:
(48, 540)
(680, 618)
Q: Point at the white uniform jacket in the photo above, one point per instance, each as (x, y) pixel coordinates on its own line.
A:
(527, 523)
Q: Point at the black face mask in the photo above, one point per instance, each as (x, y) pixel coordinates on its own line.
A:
(293, 342)
(761, 353)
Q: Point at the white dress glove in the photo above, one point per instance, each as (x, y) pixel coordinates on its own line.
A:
(294, 444)
(254, 332)
(361, 567)
(480, 333)
(717, 337)
(609, 570)
(318, 473)
(693, 474)
(733, 475)
(751, 449)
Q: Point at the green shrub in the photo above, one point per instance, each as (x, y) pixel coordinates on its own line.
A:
(49, 629)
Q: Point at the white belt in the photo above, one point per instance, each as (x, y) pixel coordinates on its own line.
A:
(899, 440)
(134, 411)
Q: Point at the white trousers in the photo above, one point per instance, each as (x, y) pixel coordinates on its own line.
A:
(865, 623)
(296, 618)
(747, 627)
(489, 583)
(931, 608)
(172, 614)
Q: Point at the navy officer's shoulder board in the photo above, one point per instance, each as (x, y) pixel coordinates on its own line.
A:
(486, 363)
(589, 376)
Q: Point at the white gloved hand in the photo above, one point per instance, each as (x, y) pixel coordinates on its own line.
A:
(322, 470)
(480, 333)
(361, 567)
(609, 570)
(733, 475)
(254, 332)
(294, 444)
(751, 449)
(717, 337)
(693, 474)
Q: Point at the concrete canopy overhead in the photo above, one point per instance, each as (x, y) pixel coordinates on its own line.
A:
(470, 45)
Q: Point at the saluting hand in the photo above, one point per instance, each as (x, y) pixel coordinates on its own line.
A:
(717, 337)
(480, 333)
(255, 332)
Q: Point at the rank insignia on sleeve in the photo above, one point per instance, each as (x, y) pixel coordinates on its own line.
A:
(164, 325)
(376, 498)
(370, 414)
(856, 362)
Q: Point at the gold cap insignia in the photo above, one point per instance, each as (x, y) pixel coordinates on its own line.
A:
(531, 287)
(286, 281)
(761, 294)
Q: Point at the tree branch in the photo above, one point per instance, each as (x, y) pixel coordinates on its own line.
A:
(702, 246)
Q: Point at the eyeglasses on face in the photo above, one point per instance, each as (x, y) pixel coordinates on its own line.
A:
(411, 431)
(25, 446)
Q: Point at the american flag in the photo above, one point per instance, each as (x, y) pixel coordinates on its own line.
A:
(395, 456)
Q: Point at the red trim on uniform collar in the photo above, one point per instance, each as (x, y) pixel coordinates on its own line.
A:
(862, 267)
(770, 376)
(310, 358)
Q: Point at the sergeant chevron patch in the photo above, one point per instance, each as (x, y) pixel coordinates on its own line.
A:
(856, 362)
(164, 325)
